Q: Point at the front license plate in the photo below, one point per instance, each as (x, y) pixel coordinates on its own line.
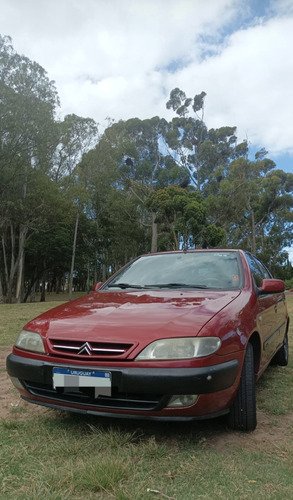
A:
(70, 379)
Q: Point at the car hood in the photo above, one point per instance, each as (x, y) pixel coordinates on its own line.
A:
(134, 316)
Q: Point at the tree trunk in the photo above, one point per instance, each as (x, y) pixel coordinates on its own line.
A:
(5, 262)
(253, 240)
(19, 284)
(33, 293)
(73, 257)
(176, 240)
(88, 277)
(95, 269)
(43, 292)
(11, 274)
(1, 293)
(196, 166)
(15, 264)
(154, 247)
(31, 289)
(104, 272)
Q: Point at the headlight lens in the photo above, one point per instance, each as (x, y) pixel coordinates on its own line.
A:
(180, 348)
(30, 341)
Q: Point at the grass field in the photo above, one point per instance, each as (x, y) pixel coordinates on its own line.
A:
(15, 316)
(59, 456)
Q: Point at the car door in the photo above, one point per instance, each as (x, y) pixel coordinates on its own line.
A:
(271, 312)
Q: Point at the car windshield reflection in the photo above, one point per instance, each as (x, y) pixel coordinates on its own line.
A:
(197, 270)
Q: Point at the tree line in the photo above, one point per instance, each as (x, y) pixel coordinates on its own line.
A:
(76, 204)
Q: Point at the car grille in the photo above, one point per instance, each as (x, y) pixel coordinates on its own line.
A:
(85, 396)
(83, 350)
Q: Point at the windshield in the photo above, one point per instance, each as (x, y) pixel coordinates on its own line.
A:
(202, 269)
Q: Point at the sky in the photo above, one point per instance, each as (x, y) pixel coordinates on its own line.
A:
(120, 59)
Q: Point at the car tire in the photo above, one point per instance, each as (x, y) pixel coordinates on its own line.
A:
(281, 357)
(242, 416)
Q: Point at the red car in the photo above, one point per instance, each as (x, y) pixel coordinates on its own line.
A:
(175, 335)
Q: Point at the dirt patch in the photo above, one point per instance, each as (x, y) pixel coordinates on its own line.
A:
(272, 434)
(11, 404)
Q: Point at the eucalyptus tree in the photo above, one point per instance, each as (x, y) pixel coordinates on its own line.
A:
(254, 203)
(76, 136)
(184, 134)
(139, 164)
(192, 145)
(111, 208)
(184, 216)
(27, 105)
(274, 218)
(124, 168)
(145, 166)
(48, 250)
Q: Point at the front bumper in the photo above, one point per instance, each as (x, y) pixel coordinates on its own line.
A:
(134, 389)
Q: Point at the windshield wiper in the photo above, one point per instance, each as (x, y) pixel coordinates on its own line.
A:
(124, 285)
(176, 285)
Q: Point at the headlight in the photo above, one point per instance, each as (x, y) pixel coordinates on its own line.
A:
(180, 348)
(30, 341)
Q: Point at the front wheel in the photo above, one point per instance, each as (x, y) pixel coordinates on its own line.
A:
(242, 416)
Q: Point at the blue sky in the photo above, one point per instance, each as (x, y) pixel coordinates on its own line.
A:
(121, 59)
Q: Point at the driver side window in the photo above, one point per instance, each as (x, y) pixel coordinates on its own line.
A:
(258, 270)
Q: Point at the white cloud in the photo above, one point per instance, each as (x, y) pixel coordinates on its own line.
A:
(121, 58)
(249, 84)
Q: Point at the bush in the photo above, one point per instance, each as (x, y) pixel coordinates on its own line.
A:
(289, 284)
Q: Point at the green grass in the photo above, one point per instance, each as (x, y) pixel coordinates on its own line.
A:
(74, 457)
(15, 316)
(60, 456)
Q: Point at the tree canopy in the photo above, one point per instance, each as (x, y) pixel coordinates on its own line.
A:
(76, 204)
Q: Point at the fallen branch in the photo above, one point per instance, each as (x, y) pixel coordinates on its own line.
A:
(157, 492)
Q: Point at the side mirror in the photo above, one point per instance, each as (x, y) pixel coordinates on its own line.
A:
(96, 286)
(272, 286)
